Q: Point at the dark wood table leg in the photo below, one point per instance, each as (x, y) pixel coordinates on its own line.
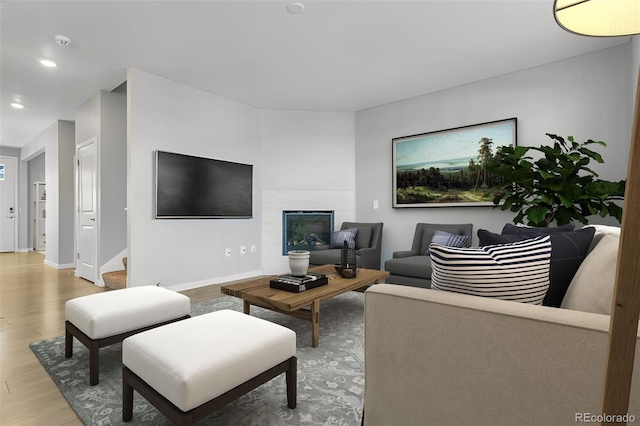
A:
(315, 323)
(292, 382)
(247, 307)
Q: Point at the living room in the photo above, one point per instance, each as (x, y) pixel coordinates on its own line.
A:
(352, 150)
(354, 153)
(335, 160)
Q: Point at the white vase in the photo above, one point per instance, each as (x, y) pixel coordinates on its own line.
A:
(298, 262)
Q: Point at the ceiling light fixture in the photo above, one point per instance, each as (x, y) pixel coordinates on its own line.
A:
(48, 63)
(602, 18)
(62, 40)
(16, 105)
(296, 8)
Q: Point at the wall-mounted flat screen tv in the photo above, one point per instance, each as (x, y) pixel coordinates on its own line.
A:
(189, 187)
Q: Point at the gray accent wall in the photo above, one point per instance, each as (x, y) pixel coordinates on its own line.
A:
(588, 96)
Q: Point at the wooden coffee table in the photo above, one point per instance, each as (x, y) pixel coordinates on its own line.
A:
(257, 292)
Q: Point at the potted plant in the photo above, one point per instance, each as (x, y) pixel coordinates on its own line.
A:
(559, 186)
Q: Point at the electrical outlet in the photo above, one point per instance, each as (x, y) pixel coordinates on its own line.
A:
(243, 250)
(253, 248)
(227, 252)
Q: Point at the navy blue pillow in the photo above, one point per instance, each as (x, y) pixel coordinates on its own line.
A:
(534, 231)
(568, 250)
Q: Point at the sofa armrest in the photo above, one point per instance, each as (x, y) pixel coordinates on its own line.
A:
(366, 251)
(404, 253)
(369, 257)
(434, 357)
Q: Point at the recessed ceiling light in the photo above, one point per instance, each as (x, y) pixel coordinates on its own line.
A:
(62, 40)
(296, 8)
(48, 63)
(17, 105)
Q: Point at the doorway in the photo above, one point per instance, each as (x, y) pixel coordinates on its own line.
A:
(87, 219)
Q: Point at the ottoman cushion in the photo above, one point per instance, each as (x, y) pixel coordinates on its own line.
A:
(113, 312)
(193, 361)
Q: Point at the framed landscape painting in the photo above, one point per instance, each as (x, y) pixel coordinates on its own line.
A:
(447, 168)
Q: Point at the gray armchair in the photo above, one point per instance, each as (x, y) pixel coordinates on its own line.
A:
(413, 267)
(368, 247)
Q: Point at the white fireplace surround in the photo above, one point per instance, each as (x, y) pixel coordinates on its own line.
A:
(274, 202)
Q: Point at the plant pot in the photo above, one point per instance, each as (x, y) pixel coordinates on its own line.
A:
(299, 262)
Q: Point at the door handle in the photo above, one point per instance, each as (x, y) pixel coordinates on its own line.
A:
(9, 217)
(92, 218)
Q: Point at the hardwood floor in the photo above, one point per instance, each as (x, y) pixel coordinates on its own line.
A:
(32, 298)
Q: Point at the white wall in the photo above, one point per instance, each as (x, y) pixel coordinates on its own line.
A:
(587, 96)
(65, 176)
(166, 115)
(635, 70)
(104, 117)
(113, 175)
(58, 143)
(302, 160)
(35, 173)
(28, 152)
(635, 59)
(308, 162)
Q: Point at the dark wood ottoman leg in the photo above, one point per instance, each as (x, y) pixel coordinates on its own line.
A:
(68, 341)
(292, 382)
(94, 361)
(127, 398)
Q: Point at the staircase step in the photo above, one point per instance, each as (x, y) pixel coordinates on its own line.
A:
(115, 280)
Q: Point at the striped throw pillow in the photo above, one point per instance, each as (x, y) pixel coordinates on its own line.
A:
(339, 237)
(452, 240)
(517, 271)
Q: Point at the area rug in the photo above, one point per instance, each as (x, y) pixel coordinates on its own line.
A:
(330, 377)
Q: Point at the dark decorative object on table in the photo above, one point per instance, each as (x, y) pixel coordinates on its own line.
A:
(349, 269)
(296, 284)
(559, 186)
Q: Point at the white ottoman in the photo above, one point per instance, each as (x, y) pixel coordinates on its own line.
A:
(103, 319)
(192, 368)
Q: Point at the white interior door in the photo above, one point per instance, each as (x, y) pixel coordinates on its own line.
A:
(87, 242)
(8, 203)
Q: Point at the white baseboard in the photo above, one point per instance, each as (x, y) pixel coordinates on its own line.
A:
(59, 266)
(97, 283)
(219, 280)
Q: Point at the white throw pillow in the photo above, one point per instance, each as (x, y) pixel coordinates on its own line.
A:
(601, 231)
(591, 289)
(517, 271)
